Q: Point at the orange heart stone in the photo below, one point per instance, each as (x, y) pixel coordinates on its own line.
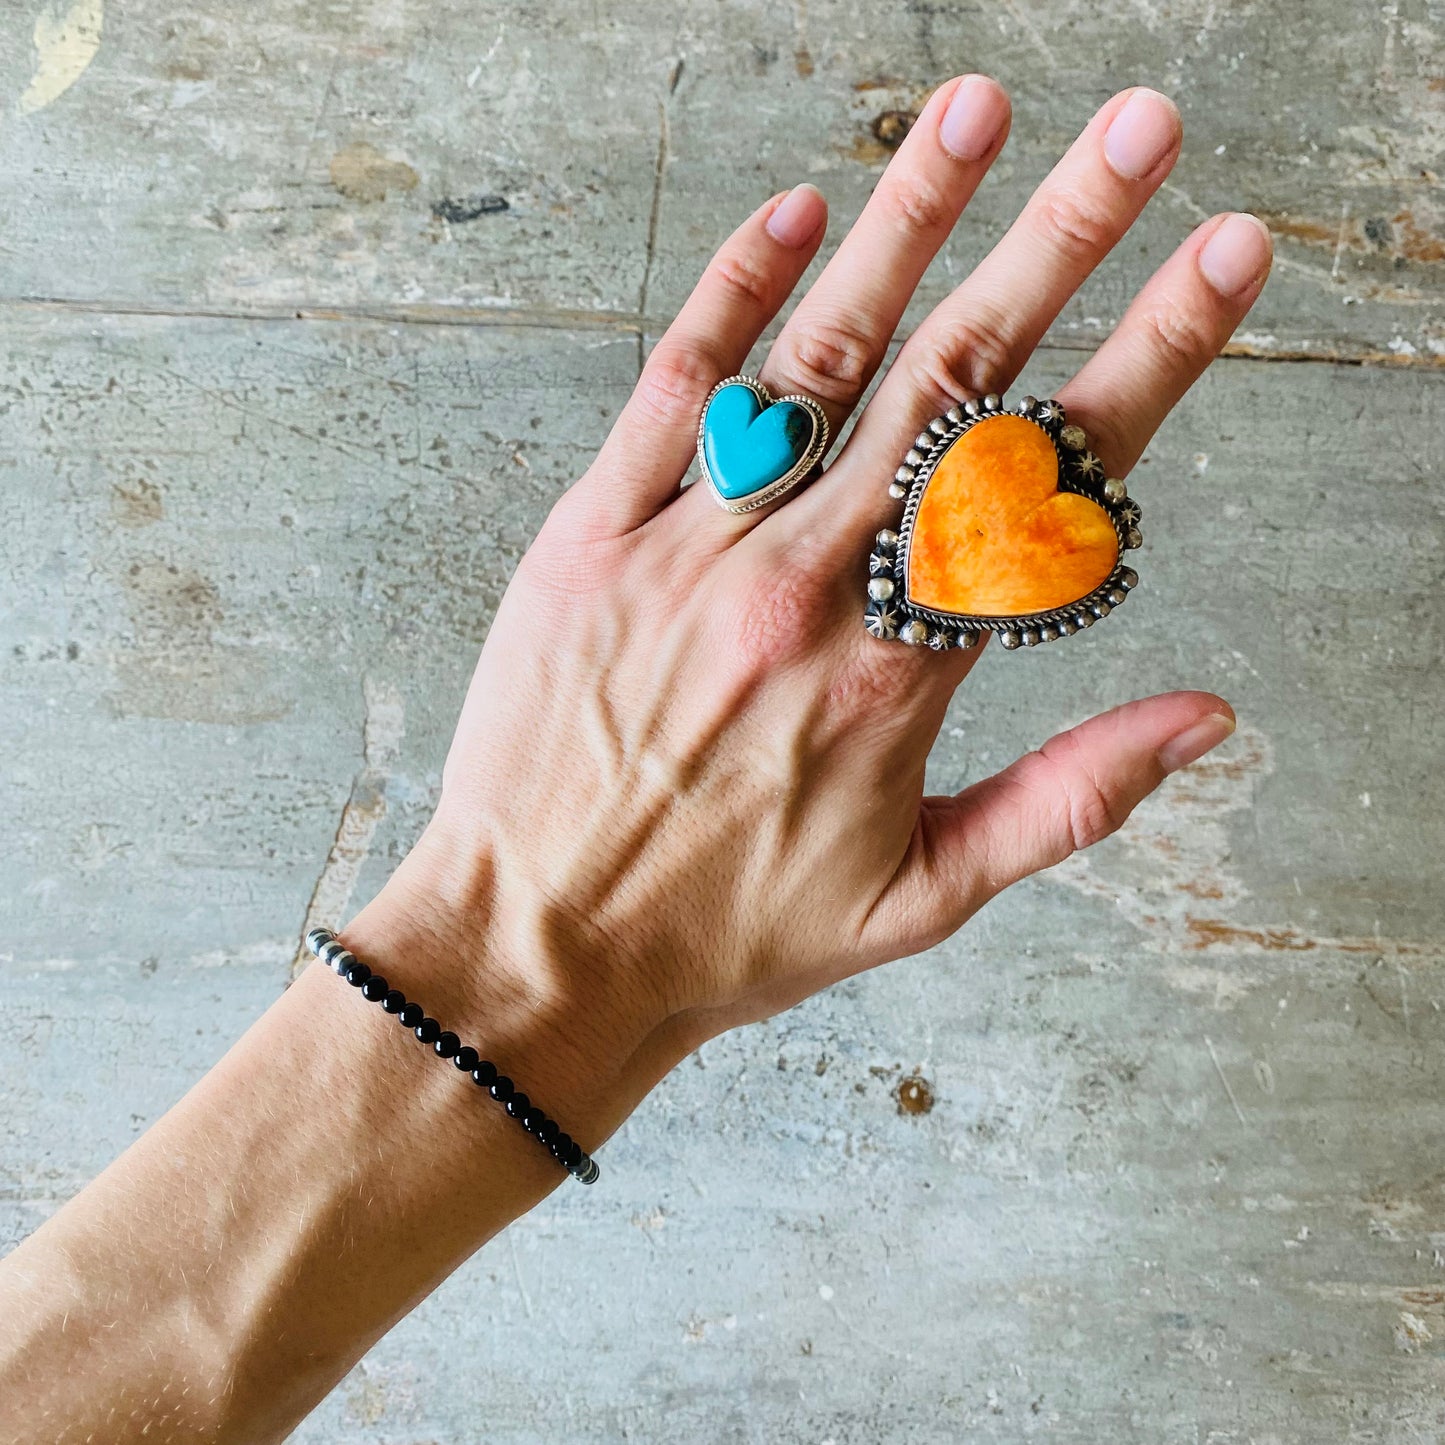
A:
(994, 535)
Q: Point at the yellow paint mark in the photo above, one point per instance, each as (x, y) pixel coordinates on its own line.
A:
(65, 44)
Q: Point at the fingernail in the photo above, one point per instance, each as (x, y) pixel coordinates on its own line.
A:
(1236, 255)
(1142, 134)
(975, 116)
(798, 216)
(1192, 744)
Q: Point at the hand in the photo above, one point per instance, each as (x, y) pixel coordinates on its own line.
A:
(687, 787)
(685, 792)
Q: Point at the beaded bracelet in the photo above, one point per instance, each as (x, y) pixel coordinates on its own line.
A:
(374, 988)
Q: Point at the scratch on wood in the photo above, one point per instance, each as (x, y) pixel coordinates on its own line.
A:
(383, 726)
(1219, 1069)
(664, 141)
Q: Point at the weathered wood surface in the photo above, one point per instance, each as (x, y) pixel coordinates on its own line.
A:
(1176, 1175)
(300, 155)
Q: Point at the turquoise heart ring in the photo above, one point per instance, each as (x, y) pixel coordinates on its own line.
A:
(752, 448)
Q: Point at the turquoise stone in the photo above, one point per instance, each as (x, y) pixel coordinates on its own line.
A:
(748, 446)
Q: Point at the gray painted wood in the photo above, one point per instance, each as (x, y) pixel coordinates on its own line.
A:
(293, 155)
(1180, 1180)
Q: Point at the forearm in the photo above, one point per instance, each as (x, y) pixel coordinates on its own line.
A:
(221, 1276)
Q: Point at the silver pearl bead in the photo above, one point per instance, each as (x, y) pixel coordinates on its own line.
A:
(954, 415)
(971, 407)
(896, 491)
(1128, 577)
(880, 589)
(1010, 639)
(1117, 596)
(904, 475)
(993, 401)
(1030, 637)
(1027, 404)
(913, 457)
(914, 633)
(924, 441)
(938, 426)
(1133, 538)
(1115, 491)
(887, 540)
(1073, 437)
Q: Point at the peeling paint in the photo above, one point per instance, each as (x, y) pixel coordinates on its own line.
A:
(65, 44)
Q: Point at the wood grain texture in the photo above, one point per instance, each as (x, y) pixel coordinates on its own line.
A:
(1151, 1152)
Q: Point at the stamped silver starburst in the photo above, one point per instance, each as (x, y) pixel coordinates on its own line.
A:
(1049, 412)
(881, 619)
(1089, 468)
(1130, 513)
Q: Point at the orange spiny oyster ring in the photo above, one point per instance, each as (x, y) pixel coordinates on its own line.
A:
(1009, 526)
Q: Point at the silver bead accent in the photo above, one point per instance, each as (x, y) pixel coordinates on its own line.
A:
(904, 475)
(1133, 538)
(1117, 596)
(1029, 637)
(1101, 608)
(877, 565)
(954, 415)
(882, 622)
(913, 457)
(1010, 639)
(1084, 619)
(993, 401)
(924, 441)
(887, 540)
(914, 633)
(1115, 491)
(1027, 404)
(1074, 438)
(971, 407)
(1067, 626)
(880, 589)
(1128, 577)
(897, 491)
(1049, 632)
(938, 426)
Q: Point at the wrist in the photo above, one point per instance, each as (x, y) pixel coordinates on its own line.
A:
(506, 972)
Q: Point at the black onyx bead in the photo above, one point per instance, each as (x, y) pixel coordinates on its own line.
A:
(547, 1131)
(357, 974)
(465, 1058)
(533, 1120)
(410, 1015)
(447, 1043)
(394, 1001)
(374, 988)
(484, 1075)
(428, 1031)
(560, 1145)
(518, 1105)
(502, 1088)
(575, 1155)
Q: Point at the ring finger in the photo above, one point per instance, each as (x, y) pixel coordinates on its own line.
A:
(834, 341)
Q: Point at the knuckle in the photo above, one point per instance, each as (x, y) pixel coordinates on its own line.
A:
(774, 621)
(1073, 224)
(973, 358)
(832, 360)
(1091, 810)
(674, 383)
(743, 281)
(916, 204)
(1177, 337)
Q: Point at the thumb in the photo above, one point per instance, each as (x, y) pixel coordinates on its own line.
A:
(1076, 789)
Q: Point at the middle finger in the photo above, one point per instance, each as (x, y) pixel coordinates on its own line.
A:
(978, 339)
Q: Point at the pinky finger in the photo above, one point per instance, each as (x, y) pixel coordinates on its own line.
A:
(1177, 325)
